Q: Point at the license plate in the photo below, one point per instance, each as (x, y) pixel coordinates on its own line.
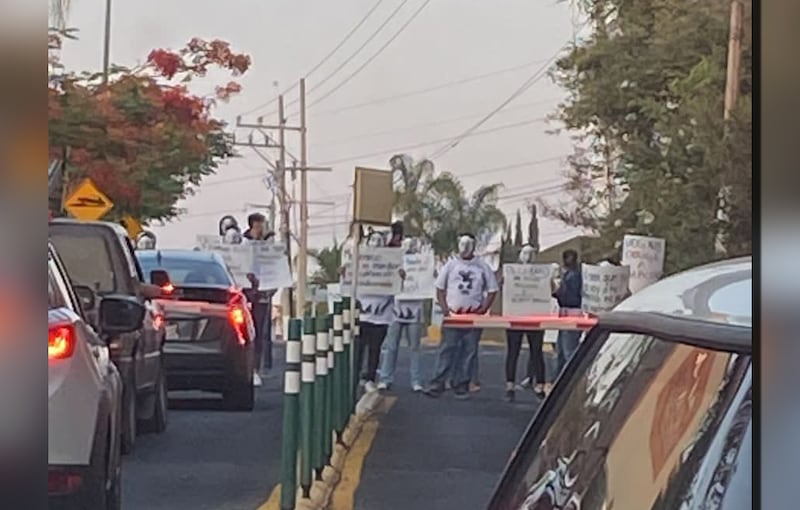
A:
(172, 332)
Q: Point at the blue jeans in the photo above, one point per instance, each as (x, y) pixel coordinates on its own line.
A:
(567, 343)
(413, 333)
(457, 357)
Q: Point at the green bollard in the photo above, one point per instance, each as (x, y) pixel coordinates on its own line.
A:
(319, 395)
(339, 413)
(329, 423)
(348, 359)
(308, 369)
(291, 416)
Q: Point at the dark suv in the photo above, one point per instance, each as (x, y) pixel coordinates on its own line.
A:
(99, 255)
(655, 409)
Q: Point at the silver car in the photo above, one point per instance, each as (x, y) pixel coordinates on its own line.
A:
(84, 395)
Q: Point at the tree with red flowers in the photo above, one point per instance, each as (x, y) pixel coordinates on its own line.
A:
(141, 136)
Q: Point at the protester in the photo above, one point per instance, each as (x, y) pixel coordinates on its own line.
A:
(568, 293)
(146, 241)
(261, 300)
(535, 366)
(375, 316)
(465, 284)
(407, 323)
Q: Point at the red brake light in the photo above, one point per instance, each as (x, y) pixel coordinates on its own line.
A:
(60, 342)
(239, 322)
(167, 289)
(62, 482)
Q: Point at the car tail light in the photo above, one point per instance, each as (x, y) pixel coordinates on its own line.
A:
(60, 341)
(63, 482)
(167, 289)
(238, 320)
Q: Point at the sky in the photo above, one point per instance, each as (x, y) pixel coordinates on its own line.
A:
(471, 54)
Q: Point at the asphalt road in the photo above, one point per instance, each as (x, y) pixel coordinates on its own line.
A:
(443, 454)
(209, 458)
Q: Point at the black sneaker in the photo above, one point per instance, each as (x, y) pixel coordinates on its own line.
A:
(539, 392)
(433, 391)
(509, 395)
(462, 393)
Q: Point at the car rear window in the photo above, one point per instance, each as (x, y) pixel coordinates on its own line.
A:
(87, 258)
(187, 271)
(649, 424)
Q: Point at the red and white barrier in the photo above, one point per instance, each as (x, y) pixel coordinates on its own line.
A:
(530, 323)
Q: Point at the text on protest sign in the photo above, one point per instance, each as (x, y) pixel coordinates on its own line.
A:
(645, 256)
(378, 272)
(527, 289)
(604, 287)
(271, 265)
(419, 282)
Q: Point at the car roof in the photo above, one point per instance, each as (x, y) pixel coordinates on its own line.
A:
(197, 255)
(118, 229)
(719, 292)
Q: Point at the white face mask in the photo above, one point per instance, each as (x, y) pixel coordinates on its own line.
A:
(408, 246)
(146, 243)
(232, 237)
(466, 246)
(375, 241)
(527, 255)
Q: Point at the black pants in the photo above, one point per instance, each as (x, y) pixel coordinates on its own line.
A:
(260, 313)
(370, 339)
(536, 359)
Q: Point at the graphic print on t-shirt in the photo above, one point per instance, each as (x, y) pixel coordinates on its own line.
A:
(467, 281)
(408, 310)
(377, 309)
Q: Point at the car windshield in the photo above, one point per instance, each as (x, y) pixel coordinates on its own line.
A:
(87, 258)
(186, 271)
(649, 424)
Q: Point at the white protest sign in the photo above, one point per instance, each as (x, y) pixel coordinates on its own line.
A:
(419, 282)
(378, 272)
(645, 256)
(237, 257)
(271, 266)
(527, 289)
(603, 287)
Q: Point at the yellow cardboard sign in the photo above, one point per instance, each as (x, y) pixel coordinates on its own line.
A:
(87, 203)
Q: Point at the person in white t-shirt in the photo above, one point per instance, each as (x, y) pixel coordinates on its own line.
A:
(465, 285)
(407, 322)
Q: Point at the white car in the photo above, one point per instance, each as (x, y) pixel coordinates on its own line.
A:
(84, 394)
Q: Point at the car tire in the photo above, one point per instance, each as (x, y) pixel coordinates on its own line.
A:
(128, 434)
(239, 396)
(157, 423)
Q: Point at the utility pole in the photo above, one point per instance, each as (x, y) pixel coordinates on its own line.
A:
(302, 257)
(107, 43)
(282, 196)
(731, 96)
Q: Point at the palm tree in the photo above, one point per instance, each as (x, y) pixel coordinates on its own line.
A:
(436, 207)
(329, 260)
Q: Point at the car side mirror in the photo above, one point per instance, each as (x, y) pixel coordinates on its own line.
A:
(86, 296)
(120, 314)
(159, 277)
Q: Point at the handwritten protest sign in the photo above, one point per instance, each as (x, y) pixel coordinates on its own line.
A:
(645, 256)
(527, 289)
(603, 287)
(267, 261)
(378, 272)
(271, 266)
(419, 282)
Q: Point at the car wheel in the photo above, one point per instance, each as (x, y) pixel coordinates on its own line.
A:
(239, 396)
(128, 417)
(157, 423)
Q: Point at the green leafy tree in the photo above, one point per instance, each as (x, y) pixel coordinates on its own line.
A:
(645, 107)
(329, 260)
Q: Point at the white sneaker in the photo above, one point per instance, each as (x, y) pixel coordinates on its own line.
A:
(370, 387)
(256, 380)
(383, 386)
(417, 388)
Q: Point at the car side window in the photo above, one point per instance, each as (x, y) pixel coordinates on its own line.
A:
(127, 249)
(639, 412)
(55, 299)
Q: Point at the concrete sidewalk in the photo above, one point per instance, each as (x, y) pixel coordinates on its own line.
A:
(443, 454)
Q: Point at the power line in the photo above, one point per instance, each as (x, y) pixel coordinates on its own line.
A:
(431, 142)
(521, 90)
(374, 134)
(433, 88)
(324, 59)
(374, 55)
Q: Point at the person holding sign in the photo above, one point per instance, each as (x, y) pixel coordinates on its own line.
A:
(569, 295)
(465, 285)
(535, 372)
(407, 322)
(375, 317)
(262, 300)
